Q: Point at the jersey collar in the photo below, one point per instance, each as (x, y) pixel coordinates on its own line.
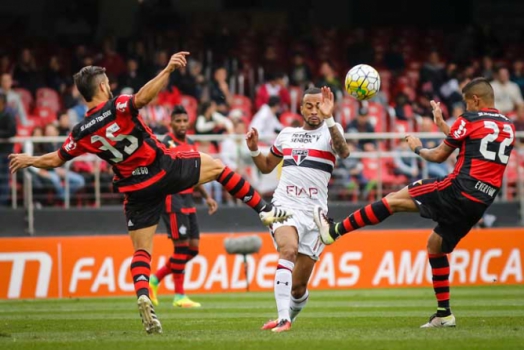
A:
(95, 109)
(490, 110)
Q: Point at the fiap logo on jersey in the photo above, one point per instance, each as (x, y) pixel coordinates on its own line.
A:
(299, 155)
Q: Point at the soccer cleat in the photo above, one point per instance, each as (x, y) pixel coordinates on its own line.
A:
(323, 224)
(147, 313)
(274, 215)
(269, 325)
(153, 289)
(184, 301)
(437, 322)
(283, 326)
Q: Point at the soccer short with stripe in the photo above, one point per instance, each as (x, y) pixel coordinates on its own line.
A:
(437, 199)
(181, 226)
(308, 236)
(143, 207)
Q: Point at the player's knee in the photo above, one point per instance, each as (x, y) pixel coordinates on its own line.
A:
(218, 168)
(298, 290)
(288, 253)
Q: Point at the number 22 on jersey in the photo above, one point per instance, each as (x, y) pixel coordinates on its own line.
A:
(492, 155)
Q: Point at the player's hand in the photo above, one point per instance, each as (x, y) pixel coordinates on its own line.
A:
(19, 161)
(212, 205)
(327, 104)
(413, 142)
(252, 139)
(437, 113)
(177, 60)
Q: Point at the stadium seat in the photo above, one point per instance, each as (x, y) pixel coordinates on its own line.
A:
(45, 115)
(287, 119)
(27, 98)
(46, 97)
(244, 103)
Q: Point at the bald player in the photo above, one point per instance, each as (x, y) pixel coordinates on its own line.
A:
(457, 201)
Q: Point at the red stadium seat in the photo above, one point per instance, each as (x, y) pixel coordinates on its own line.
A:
(243, 103)
(27, 98)
(46, 97)
(289, 118)
(46, 115)
(191, 105)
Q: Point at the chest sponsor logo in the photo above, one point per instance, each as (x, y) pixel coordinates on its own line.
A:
(305, 138)
(299, 155)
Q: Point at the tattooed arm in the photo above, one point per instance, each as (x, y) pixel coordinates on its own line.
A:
(338, 142)
(326, 107)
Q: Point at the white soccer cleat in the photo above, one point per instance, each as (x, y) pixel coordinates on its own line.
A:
(274, 215)
(438, 322)
(147, 313)
(323, 225)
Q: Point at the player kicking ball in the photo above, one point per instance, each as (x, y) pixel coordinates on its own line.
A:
(180, 218)
(456, 202)
(309, 155)
(145, 170)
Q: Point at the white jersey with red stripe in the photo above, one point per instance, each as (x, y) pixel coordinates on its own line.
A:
(309, 160)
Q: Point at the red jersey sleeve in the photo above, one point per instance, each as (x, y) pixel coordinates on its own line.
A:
(458, 133)
(70, 149)
(125, 106)
(276, 149)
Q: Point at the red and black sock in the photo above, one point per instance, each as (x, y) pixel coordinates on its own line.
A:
(140, 270)
(371, 214)
(241, 189)
(440, 270)
(178, 265)
(192, 252)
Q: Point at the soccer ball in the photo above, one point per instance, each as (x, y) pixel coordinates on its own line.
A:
(362, 82)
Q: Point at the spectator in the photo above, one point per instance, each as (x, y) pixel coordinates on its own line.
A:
(507, 93)
(75, 104)
(111, 60)
(211, 122)
(487, 67)
(329, 78)
(519, 121)
(14, 101)
(195, 68)
(450, 89)
(266, 121)
(77, 60)
(434, 169)
(423, 106)
(432, 72)
(234, 152)
(64, 126)
(403, 109)
(517, 76)
(361, 124)
(350, 170)
(269, 62)
(360, 50)
(218, 90)
(133, 77)
(300, 73)
(55, 176)
(274, 86)
(186, 82)
(456, 111)
(405, 165)
(7, 130)
(157, 116)
(54, 77)
(6, 66)
(169, 96)
(394, 59)
(26, 74)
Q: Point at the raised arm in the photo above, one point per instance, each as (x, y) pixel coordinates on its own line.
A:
(436, 155)
(265, 163)
(46, 161)
(327, 106)
(438, 118)
(148, 92)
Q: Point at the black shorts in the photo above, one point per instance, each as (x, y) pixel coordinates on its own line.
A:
(455, 214)
(181, 226)
(144, 207)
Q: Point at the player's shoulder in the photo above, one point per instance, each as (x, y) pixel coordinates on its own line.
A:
(491, 114)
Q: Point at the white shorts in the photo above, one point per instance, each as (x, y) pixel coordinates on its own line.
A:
(308, 236)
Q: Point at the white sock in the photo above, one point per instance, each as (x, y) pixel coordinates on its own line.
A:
(282, 286)
(296, 305)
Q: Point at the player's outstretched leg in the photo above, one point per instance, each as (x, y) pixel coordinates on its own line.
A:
(212, 169)
(371, 214)
(440, 271)
(140, 271)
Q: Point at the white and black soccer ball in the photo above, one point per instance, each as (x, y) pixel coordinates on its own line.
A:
(362, 82)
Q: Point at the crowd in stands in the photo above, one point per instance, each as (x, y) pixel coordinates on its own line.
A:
(416, 66)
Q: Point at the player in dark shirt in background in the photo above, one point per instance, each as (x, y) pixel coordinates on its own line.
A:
(456, 202)
(145, 171)
(180, 218)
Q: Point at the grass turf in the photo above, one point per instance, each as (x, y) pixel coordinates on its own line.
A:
(487, 317)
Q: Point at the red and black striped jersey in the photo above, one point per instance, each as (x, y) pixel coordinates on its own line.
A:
(114, 132)
(181, 202)
(485, 139)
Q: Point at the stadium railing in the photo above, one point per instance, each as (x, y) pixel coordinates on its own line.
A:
(27, 188)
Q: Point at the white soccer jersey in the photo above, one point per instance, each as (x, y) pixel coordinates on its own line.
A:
(309, 160)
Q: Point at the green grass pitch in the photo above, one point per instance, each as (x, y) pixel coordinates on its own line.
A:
(487, 318)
